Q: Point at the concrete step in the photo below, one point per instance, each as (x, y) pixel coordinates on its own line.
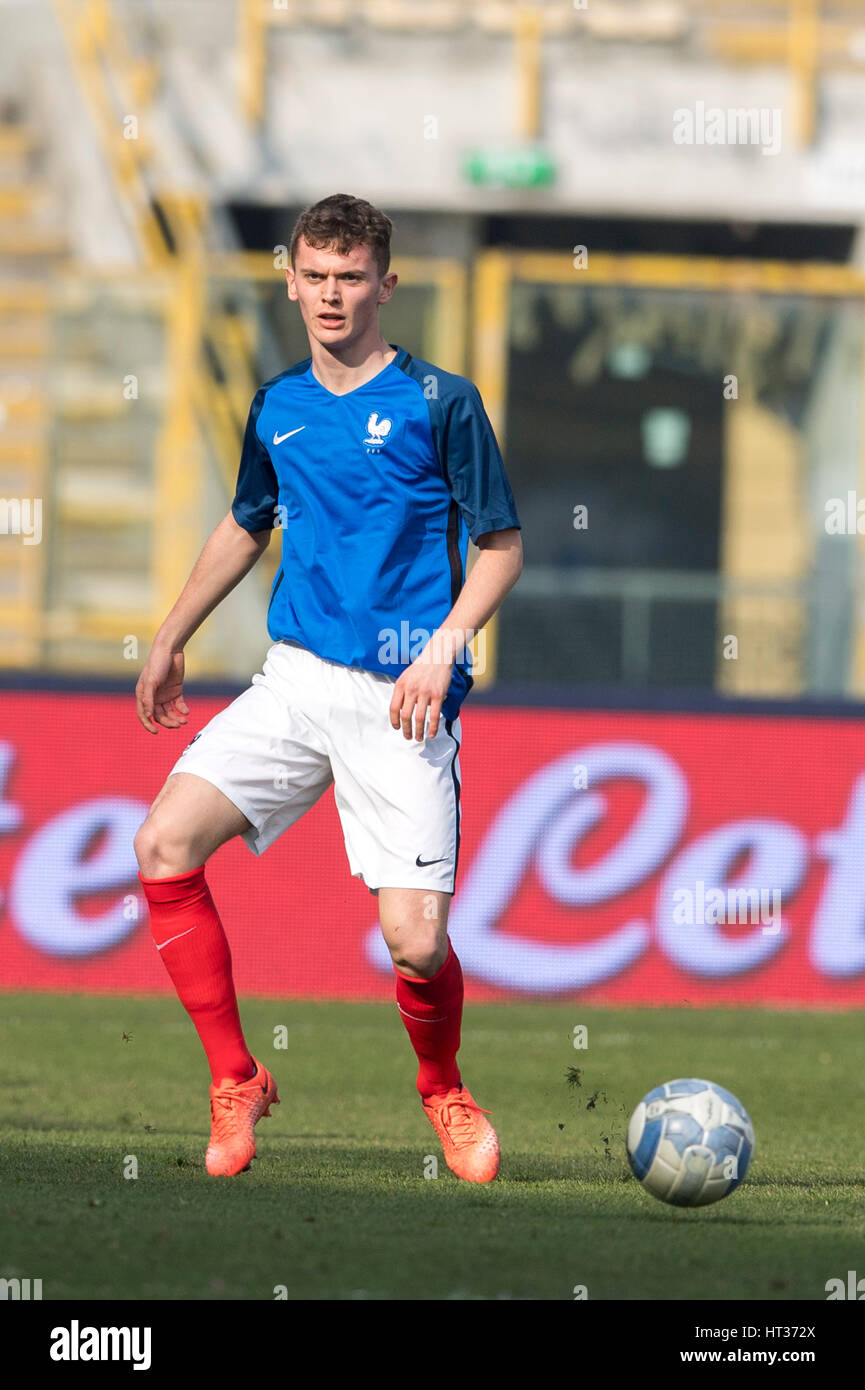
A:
(111, 594)
(102, 499)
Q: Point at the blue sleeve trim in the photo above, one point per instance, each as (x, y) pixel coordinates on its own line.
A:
(486, 524)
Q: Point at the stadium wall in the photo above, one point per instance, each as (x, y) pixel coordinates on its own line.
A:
(599, 847)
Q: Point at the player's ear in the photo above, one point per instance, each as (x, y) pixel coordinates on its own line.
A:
(388, 285)
(290, 283)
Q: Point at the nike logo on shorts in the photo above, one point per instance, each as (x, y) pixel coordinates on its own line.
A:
(422, 863)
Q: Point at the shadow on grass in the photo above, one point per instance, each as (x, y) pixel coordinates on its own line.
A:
(598, 1180)
(26, 1125)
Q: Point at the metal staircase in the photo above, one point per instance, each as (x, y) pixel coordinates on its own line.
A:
(31, 247)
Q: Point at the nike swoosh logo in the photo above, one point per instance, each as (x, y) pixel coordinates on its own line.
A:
(175, 938)
(278, 438)
(422, 863)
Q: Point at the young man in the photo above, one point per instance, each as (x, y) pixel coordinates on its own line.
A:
(375, 467)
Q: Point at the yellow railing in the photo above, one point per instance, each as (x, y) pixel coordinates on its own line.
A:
(179, 469)
(115, 88)
(174, 297)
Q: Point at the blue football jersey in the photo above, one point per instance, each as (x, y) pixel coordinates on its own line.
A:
(376, 493)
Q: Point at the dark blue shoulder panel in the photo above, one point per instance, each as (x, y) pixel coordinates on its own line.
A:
(466, 447)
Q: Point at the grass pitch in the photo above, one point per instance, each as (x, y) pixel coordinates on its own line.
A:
(336, 1205)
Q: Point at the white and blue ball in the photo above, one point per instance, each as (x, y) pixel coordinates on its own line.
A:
(690, 1142)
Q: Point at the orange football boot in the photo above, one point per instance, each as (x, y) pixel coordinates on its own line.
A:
(235, 1109)
(470, 1143)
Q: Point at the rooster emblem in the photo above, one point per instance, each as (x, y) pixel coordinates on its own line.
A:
(377, 430)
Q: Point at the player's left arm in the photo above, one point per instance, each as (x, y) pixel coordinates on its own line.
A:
(421, 689)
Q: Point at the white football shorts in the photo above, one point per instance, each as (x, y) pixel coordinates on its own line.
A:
(305, 723)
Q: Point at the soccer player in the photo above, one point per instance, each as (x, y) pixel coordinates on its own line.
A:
(375, 467)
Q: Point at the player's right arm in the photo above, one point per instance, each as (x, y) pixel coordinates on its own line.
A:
(229, 554)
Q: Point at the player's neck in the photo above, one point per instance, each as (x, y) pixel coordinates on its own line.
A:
(358, 364)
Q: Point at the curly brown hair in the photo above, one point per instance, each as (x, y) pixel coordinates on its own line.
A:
(342, 222)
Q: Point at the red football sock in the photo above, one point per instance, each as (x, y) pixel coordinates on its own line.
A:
(432, 1012)
(185, 925)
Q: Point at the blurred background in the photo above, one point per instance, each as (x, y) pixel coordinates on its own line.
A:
(637, 226)
(663, 311)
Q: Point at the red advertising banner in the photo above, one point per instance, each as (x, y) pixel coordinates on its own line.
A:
(618, 857)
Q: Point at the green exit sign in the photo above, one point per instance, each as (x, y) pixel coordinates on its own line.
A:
(522, 167)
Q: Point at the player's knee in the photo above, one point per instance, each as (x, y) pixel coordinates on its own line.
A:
(164, 849)
(421, 955)
(148, 844)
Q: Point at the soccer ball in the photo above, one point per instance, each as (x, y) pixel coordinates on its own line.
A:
(690, 1142)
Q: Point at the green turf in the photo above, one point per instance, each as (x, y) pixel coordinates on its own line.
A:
(336, 1205)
